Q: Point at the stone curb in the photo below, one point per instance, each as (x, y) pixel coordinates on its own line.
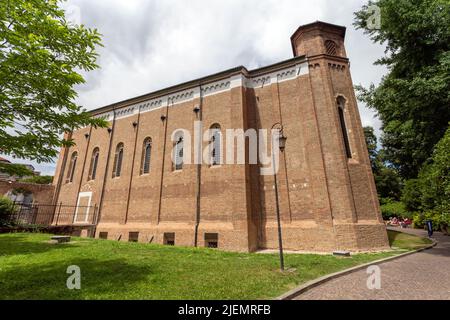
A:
(316, 282)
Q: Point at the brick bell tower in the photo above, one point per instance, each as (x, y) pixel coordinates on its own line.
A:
(353, 209)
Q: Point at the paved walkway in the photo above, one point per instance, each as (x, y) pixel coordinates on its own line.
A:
(423, 275)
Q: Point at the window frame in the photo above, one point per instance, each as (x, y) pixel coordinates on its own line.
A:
(118, 160)
(341, 104)
(94, 164)
(179, 141)
(147, 145)
(331, 47)
(72, 167)
(215, 144)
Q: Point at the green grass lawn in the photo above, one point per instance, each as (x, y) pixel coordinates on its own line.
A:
(406, 241)
(32, 268)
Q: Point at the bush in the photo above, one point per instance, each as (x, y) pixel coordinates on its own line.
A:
(392, 209)
(440, 221)
(39, 179)
(6, 210)
(429, 194)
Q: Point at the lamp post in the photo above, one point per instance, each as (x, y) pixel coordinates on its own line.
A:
(282, 144)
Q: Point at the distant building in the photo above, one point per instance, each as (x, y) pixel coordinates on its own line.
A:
(7, 177)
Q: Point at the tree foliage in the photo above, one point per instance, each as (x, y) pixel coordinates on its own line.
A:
(6, 210)
(391, 209)
(371, 142)
(14, 169)
(41, 55)
(39, 179)
(387, 180)
(429, 194)
(413, 99)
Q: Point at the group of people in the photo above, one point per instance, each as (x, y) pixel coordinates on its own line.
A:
(405, 222)
(402, 222)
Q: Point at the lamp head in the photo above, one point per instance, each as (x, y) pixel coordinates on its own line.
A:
(282, 141)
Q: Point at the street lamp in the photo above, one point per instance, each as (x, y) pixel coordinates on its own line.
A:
(282, 145)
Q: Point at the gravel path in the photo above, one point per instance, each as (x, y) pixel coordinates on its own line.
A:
(423, 275)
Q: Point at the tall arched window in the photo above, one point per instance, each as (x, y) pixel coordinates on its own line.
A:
(118, 158)
(178, 151)
(341, 107)
(146, 156)
(94, 163)
(216, 145)
(72, 165)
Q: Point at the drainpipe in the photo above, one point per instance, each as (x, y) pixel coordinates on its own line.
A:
(61, 175)
(199, 170)
(105, 176)
(136, 126)
(88, 137)
(165, 119)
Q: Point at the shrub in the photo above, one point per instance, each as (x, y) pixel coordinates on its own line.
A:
(438, 220)
(6, 210)
(38, 179)
(394, 209)
(430, 193)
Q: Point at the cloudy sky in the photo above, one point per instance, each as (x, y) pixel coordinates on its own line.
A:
(152, 44)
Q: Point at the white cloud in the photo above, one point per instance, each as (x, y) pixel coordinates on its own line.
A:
(150, 45)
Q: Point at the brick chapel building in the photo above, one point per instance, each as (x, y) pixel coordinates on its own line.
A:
(328, 200)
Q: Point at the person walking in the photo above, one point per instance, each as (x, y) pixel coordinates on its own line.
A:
(429, 224)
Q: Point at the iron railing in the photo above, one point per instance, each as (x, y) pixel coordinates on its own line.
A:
(52, 215)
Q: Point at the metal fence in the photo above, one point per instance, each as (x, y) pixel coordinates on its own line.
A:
(52, 215)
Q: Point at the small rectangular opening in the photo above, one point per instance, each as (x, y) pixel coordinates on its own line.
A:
(169, 238)
(211, 240)
(103, 235)
(133, 237)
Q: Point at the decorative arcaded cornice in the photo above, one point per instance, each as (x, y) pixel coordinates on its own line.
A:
(261, 79)
(216, 87)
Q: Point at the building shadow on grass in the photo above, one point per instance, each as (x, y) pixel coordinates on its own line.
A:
(22, 244)
(107, 279)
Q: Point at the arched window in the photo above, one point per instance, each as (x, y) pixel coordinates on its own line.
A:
(146, 156)
(216, 145)
(118, 158)
(94, 163)
(178, 151)
(341, 107)
(72, 165)
(331, 47)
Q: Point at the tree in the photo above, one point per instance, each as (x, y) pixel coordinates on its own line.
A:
(14, 169)
(371, 141)
(38, 179)
(413, 99)
(429, 194)
(411, 195)
(7, 208)
(389, 184)
(40, 56)
(387, 180)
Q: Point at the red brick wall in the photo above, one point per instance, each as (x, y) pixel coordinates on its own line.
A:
(42, 194)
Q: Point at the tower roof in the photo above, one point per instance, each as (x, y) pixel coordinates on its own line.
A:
(318, 25)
